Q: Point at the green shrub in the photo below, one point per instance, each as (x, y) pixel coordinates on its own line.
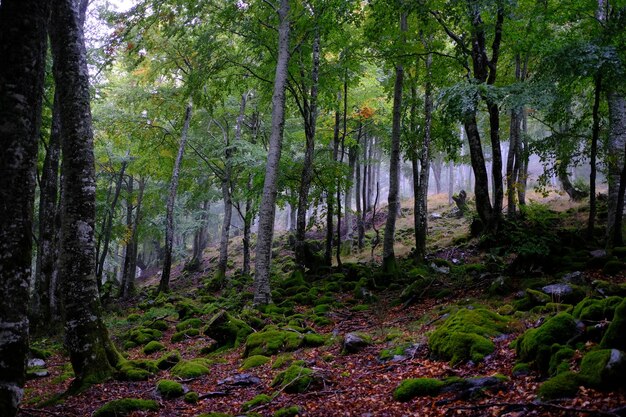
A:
(417, 387)
(125, 406)
(169, 389)
(254, 361)
(152, 347)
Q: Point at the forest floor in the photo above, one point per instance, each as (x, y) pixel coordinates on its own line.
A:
(346, 384)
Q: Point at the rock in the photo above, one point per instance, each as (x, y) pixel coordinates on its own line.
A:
(227, 330)
(603, 369)
(598, 253)
(577, 278)
(354, 342)
(558, 290)
(435, 216)
(241, 380)
(615, 336)
(37, 373)
(440, 269)
(36, 362)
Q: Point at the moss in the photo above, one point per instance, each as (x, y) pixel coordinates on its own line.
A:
(564, 385)
(254, 361)
(191, 397)
(603, 369)
(387, 354)
(152, 347)
(272, 340)
(158, 325)
(168, 360)
(417, 387)
(125, 406)
(291, 411)
(256, 401)
(180, 336)
(552, 308)
(191, 369)
(615, 336)
(169, 389)
(464, 335)
(136, 370)
(535, 345)
(192, 323)
(612, 267)
(295, 379)
(227, 330)
(321, 308)
(282, 360)
(520, 369)
(559, 359)
(132, 318)
(607, 288)
(186, 309)
(321, 321)
(143, 335)
(592, 309)
(40, 353)
(532, 298)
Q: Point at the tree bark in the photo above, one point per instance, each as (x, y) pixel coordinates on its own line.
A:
(617, 140)
(171, 200)
(92, 354)
(43, 301)
(593, 154)
(328, 254)
(132, 247)
(262, 293)
(393, 203)
(309, 113)
(359, 211)
(23, 49)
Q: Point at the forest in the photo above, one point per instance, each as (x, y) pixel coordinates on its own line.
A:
(284, 208)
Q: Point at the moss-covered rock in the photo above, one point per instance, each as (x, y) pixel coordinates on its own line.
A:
(615, 336)
(520, 369)
(273, 340)
(125, 406)
(160, 325)
(191, 397)
(465, 335)
(227, 330)
(168, 360)
(191, 369)
(185, 334)
(295, 379)
(186, 309)
(607, 289)
(613, 267)
(133, 318)
(169, 389)
(291, 411)
(417, 387)
(152, 347)
(535, 346)
(559, 359)
(603, 369)
(193, 323)
(532, 298)
(143, 335)
(593, 309)
(563, 385)
(256, 401)
(136, 370)
(254, 361)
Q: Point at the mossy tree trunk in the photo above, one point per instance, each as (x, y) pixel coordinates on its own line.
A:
(23, 50)
(92, 354)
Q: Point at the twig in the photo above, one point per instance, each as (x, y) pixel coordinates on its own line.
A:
(214, 394)
(38, 410)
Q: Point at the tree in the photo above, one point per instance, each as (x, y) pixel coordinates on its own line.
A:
(262, 294)
(23, 27)
(92, 354)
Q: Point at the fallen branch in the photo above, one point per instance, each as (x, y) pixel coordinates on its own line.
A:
(214, 394)
(31, 411)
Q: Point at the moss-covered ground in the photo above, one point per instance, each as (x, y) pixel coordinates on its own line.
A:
(470, 311)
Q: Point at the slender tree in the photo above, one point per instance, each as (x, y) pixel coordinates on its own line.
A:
(262, 294)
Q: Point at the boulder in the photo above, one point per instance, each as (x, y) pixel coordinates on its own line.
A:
(354, 342)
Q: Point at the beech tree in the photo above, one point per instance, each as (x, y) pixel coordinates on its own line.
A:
(23, 27)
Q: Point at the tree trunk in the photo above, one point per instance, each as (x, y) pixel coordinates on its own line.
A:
(128, 252)
(309, 113)
(595, 134)
(617, 140)
(92, 354)
(421, 205)
(389, 258)
(360, 224)
(437, 166)
(107, 224)
(262, 293)
(343, 149)
(171, 200)
(23, 50)
(43, 299)
(450, 181)
(129, 280)
(617, 236)
(522, 155)
(247, 225)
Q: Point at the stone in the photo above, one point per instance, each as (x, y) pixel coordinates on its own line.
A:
(440, 269)
(576, 277)
(240, 380)
(354, 342)
(598, 253)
